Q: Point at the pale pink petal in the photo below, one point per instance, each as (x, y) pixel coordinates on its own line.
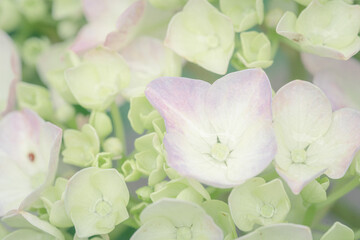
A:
(92, 35)
(239, 109)
(297, 176)
(29, 149)
(127, 24)
(340, 80)
(10, 69)
(181, 102)
(337, 148)
(302, 114)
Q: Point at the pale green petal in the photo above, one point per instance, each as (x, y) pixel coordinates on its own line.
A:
(244, 14)
(201, 34)
(338, 231)
(282, 231)
(28, 234)
(220, 212)
(156, 229)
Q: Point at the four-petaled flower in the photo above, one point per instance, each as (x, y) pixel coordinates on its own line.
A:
(219, 134)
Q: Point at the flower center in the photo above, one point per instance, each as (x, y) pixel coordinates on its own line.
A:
(103, 208)
(183, 233)
(267, 210)
(298, 156)
(220, 152)
(212, 41)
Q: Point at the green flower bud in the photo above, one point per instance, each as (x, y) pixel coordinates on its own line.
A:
(103, 160)
(9, 15)
(149, 153)
(102, 123)
(244, 14)
(141, 114)
(315, 191)
(33, 48)
(257, 202)
(329, 30)
(255, 50)
(34, 97)
(113, 145)
(144, 192)
(33, 10)
(67, 28)
(220, 212)
(338, 231)
(54, 204)
(181, 188)
(96, 200)
(81, 147)
(130, 171)
(98, 79)
(62, 9)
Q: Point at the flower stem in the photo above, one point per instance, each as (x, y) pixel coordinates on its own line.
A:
(333, 197)
(118, 124)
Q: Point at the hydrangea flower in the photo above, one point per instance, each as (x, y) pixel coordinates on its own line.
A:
(203, 35)
(329, 29)
(29, 150)
(255, 50)
(95, 200)
(116, 23)
(280, 231)
(338, 79)
(219, 134)
(10, 69)
(244, 14)
(257, 202)
(98, 79)
(312, 140)
(81, 147)
(102, 17)
(173, 219)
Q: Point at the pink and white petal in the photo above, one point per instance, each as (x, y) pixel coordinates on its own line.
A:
(236, 100)
(302, 114)
(10, 69)
(92, 35)
(127, 25)
(342, 90)
(31, 146)
(15, 185)
(253, 153)
(337, 148)
(190, 157)
(316, 64)
(297, 176)
(181, 102)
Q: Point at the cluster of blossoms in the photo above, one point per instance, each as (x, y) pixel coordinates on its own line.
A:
(107, 133)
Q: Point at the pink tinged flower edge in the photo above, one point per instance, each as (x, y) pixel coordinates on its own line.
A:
(10, 68)
(219, 134)
(105, 26)
(28, 146)
(312, 139)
